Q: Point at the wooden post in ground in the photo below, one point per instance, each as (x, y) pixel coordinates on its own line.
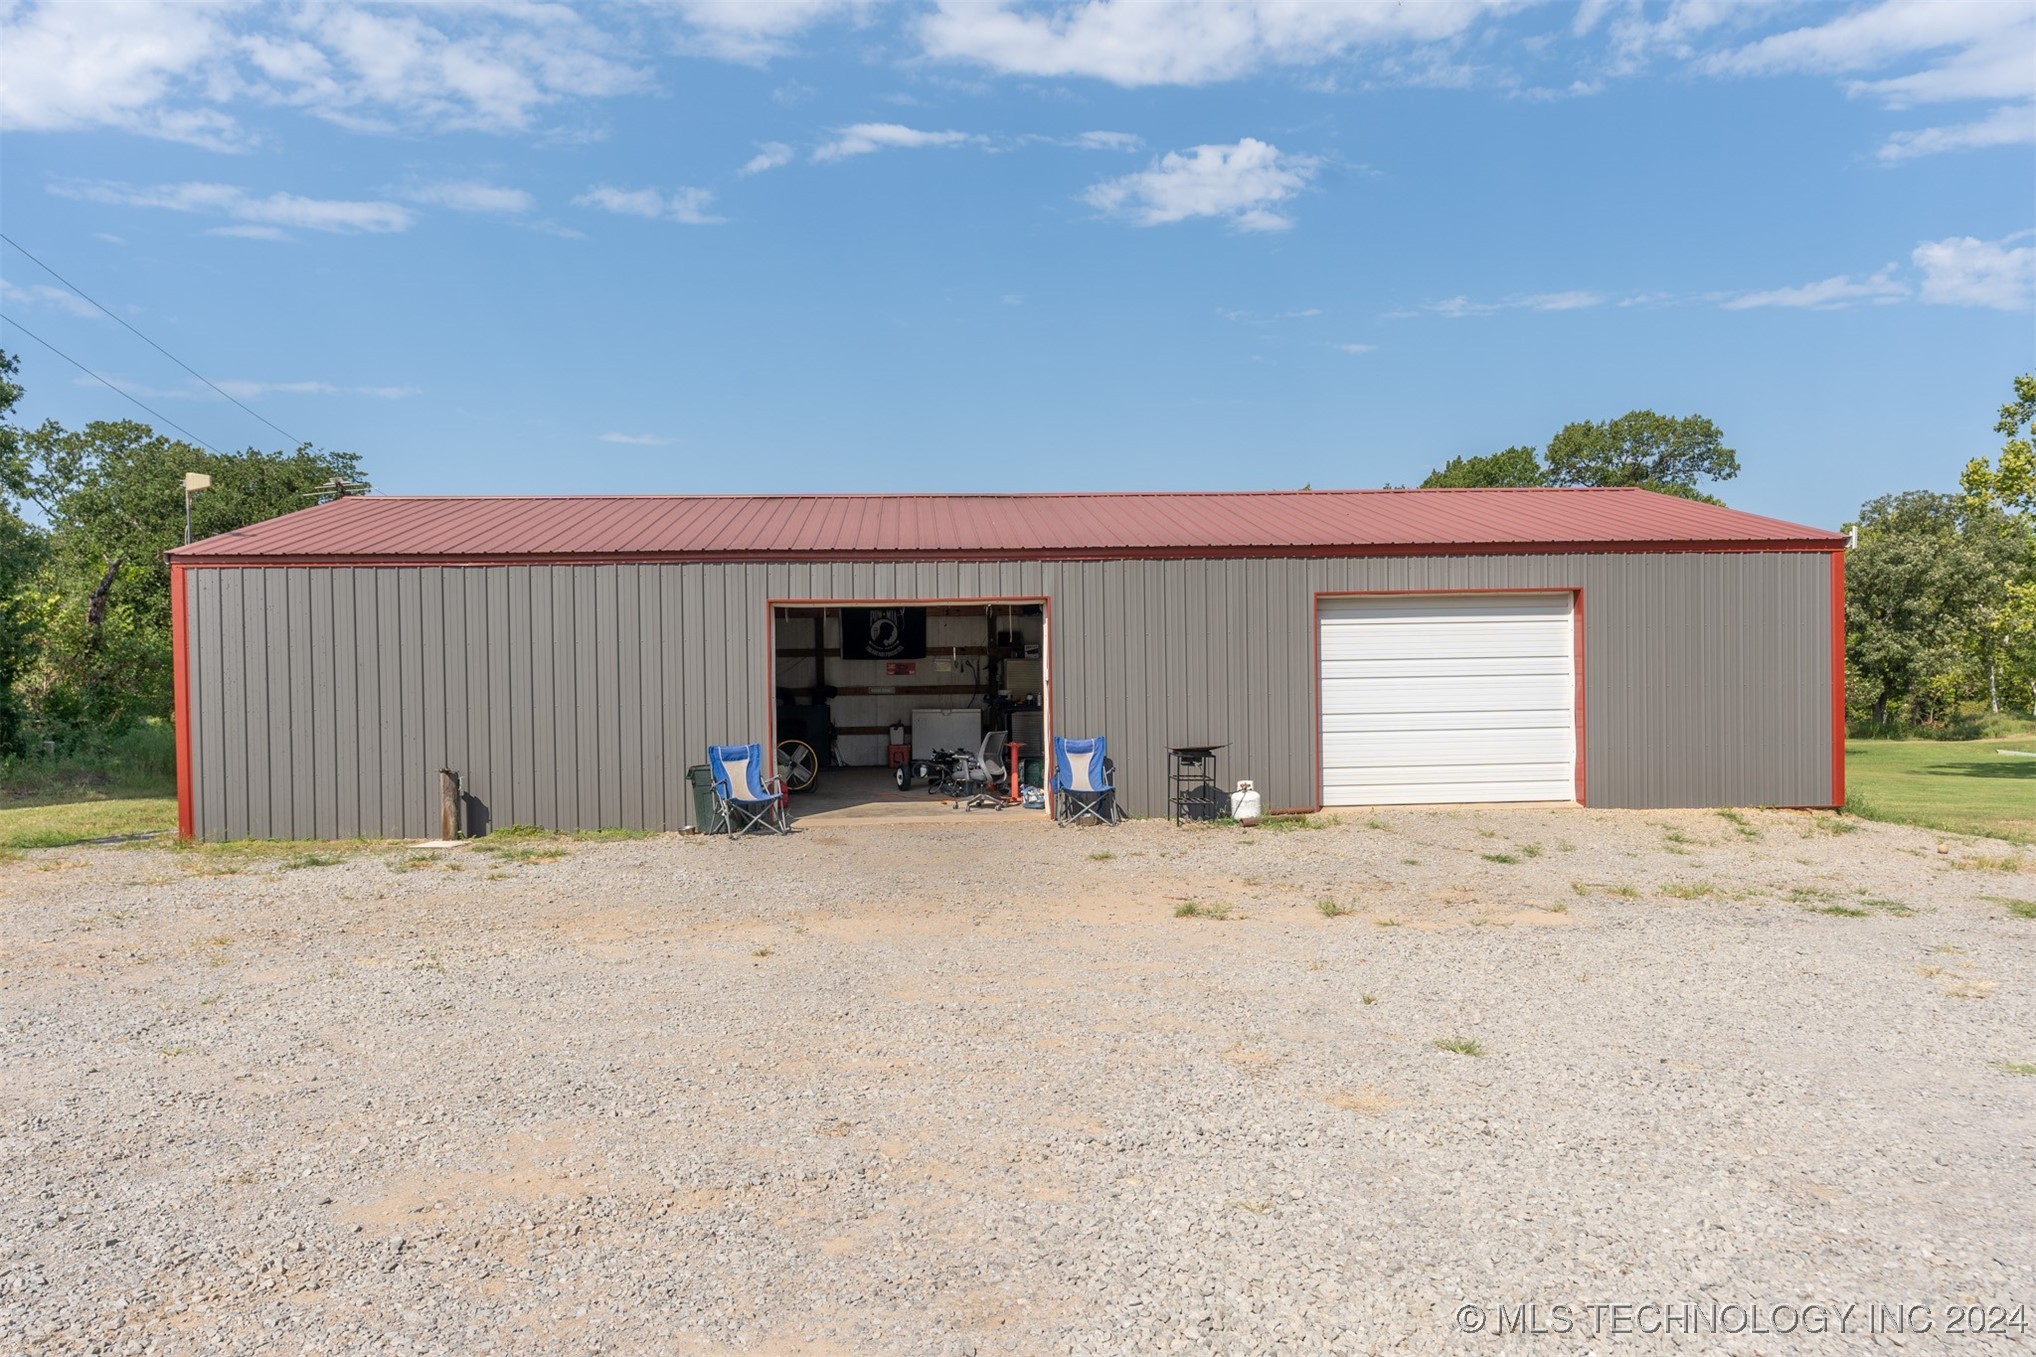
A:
(448, 804)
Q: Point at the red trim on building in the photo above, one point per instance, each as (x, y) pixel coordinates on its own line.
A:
(180, 679)
(1576, 594)
(1326, 552)
(1576, 628)
(1837, 679)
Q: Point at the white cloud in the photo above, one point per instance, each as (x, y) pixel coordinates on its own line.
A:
(241, 389)
(2014, 125)
(175, 69)
(1964, 271)
(770, 155)
(277, 210)
(1184, 42)
(1267, 317)
(1108, 141)
(638, 440)
(246, 390)
(1457, 307)
(249, 232)
(1242, 183)
(44, 295)
(685, 205)
(753, 31)
(68, 66)
(1354, 348)
(472, 195)
(1984, 50)
(1826, 294)
(864, 138)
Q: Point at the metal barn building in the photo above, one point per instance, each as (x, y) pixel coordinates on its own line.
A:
(571, 657)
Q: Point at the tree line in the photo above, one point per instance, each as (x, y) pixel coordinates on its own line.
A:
(86, 517)
(1940, 590)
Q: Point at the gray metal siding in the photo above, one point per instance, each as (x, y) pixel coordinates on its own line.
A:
(324, 699)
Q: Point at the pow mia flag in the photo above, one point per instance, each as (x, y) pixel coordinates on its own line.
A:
(883, 633)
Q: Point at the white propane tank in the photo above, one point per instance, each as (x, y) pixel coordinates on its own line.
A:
(1244, 804)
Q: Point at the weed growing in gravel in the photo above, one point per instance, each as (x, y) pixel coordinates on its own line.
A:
(761, 951)
(1624, 891)
(1559, 907)
(1105, 856)
(1842, 911)
(2017, 909)
(1530, 850)
(1499, 857)
(610, 835)
(1410, 862)
(1488, 833)
(303, 860)
(1195, 909)
(176, 1050)
(1581, 887)
(413, 862)
(1380, 825)
(1460, 1045)
(1886, 906)
(1287, 824)
(1689, 890)
(1564, 846)
(1739, 823)
(2022, 1068)
(1830, 824)
(1386, 923)
(1971, 989)
(548, 853)
(1367, 999)
(1330, 909)
(428, 962)
(519, 832)
(1982, 863)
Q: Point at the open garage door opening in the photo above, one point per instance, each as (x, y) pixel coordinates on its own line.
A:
(1448, 698)
(884, 708)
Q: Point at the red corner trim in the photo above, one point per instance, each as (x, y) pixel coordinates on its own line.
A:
(1837, 678)
(180, 718)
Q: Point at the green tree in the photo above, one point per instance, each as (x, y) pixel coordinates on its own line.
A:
(112, 493)
(2010, 482)
(1641, 448)
(1516, 466)
(21, 554)
(1919, 591)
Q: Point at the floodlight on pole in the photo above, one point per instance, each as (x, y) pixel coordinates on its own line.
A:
(194, 481)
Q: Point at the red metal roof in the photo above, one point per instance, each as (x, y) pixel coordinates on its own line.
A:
(394, 528)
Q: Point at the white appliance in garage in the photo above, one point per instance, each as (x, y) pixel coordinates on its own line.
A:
(1448, 697)
(934, 729)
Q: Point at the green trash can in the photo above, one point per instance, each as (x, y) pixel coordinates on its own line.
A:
(1031, 770)
(702, 780)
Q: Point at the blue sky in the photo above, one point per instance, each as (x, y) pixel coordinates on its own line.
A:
(821, 245)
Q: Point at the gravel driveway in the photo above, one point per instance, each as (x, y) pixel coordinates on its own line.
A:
(981, 1086)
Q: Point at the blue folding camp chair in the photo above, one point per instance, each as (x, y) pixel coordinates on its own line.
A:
(1083, 786)
(744, 799)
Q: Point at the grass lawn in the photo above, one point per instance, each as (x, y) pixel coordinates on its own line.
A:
(1965, 786)
(56, 822)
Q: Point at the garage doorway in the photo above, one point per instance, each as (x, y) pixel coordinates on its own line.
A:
(870, 695)
(1448, 698)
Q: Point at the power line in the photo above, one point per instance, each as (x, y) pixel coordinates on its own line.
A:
(97, 378)
(146, 340)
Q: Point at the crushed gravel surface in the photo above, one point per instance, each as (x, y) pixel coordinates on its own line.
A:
(980, 1086)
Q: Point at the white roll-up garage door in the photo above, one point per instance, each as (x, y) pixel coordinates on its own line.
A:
(1448, 697)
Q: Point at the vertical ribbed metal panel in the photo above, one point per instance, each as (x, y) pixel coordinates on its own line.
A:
(324, 700)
